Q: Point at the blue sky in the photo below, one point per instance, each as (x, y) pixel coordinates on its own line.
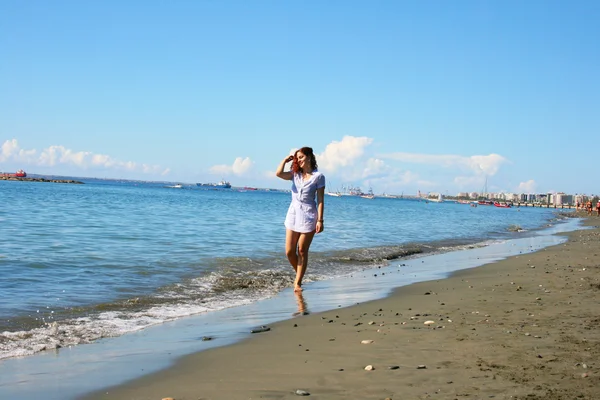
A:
(397, 95)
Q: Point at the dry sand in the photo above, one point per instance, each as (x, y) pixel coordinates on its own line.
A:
(523, 328)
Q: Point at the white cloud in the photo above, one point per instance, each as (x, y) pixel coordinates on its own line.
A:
(481, 165)
(59, 155)
(469, 182)
(240, 166)
(527, 187)
(10, 150)
(343, 153)
(397, 181)
(374, 167)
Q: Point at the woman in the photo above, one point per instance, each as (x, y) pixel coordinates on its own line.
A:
(305, 216)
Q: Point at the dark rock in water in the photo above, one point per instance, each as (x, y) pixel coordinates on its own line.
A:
(26, 179)
(206, 338)
(260, 329)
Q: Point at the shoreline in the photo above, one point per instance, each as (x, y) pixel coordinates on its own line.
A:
(505, 329)
(109, 362)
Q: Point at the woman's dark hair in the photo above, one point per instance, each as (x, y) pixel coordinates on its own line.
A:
(308, 152)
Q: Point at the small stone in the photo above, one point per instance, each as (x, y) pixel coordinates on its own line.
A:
(429, 322)
(393, 367)
(369, 368)
(206, 338)
(168, 398)
(302, 393)
(260, 329)
(368, 341)
(371, 322)
(421, 366)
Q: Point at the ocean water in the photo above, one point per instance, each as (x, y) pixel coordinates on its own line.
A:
(83, 262)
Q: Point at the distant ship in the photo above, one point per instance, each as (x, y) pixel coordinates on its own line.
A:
(223, 184)
(19, 174)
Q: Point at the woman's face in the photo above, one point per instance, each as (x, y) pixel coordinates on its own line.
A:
(302, 160)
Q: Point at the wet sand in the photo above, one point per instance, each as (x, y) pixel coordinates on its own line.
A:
(523, 328)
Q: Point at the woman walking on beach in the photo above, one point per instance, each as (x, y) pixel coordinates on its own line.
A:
(305, 215)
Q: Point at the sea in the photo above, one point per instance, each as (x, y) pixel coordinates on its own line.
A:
(80, 263)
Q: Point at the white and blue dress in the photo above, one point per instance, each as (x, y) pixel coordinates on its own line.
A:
(302, 214)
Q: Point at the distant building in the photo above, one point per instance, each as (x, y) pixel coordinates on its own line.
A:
(543, 198)
(513, 197)
(580, 198)
(503, 196)
(528, 198)
(562, 198)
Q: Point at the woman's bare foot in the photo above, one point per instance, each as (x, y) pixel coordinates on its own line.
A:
(297, 287)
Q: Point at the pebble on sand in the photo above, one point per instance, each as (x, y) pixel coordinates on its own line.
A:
(369, 368)
(368, 341)
(429, 322)
(300, 392)
(260, 329)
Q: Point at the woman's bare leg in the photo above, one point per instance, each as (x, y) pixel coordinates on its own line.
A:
(303, 246)
(291, 244)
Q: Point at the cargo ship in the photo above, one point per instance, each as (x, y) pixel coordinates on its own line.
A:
(19, 174)
(223, 184)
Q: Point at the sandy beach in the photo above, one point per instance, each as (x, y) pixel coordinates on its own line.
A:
(523, 328)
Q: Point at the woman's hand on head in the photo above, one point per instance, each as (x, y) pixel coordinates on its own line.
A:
(289, 158)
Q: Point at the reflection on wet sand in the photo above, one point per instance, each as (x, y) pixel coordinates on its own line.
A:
(302, 309)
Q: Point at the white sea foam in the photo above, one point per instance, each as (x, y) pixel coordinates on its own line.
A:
(108, 324)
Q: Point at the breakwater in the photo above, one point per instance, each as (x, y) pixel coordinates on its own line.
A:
(16, 178)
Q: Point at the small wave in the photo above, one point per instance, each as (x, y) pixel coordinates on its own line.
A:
(261, 280)
(232, 282)
(369, 255)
